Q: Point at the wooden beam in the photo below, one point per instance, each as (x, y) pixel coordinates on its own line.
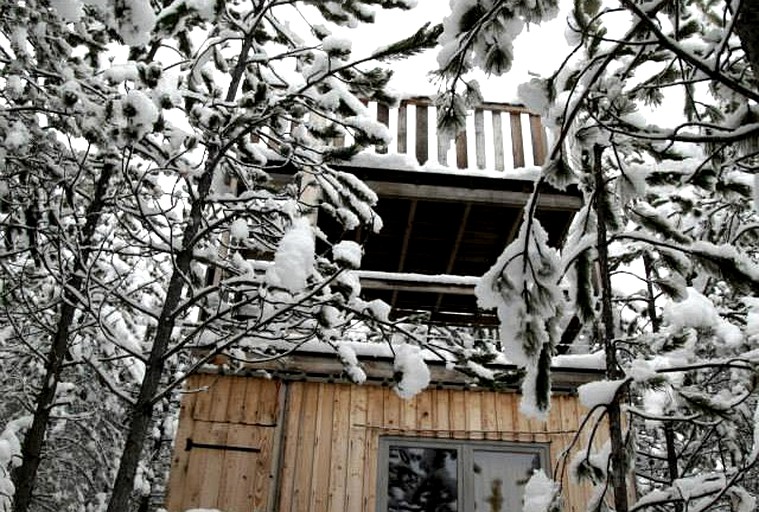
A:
(381, 370)
(506, 198)
(410, 286)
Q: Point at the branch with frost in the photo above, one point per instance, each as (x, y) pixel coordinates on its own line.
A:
(109, 382)
(725, 257)
(647, 19)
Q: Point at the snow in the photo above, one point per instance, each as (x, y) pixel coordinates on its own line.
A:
(350, 360)
(68, 10)
(140, 111)
(337, 45)
(203, 8)
(592, 361)
(10, 457)
(539, 493)
(294, 259)
(375, 130)
(415, 376)
(698, 312)
(480, 371)
(755, 447)
(239, 229)
(14, 86)
(17, 137)
(122, 73)
(379, 309)
(135, 22)
(600, 392)
(348, 254)
(442, 279)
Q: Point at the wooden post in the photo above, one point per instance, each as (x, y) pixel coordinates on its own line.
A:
(479, 137)
(383, 116)
(500, 164)
(517, 144)
(422, 151)
(462, 159)
(402, 127)
(538, 140)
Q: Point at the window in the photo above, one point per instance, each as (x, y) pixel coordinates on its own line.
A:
(436, 475)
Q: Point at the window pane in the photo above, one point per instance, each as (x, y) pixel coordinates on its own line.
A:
(422, 479)
(499, 479)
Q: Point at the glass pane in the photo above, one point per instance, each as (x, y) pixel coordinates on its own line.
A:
(499, 479)
(422, 479)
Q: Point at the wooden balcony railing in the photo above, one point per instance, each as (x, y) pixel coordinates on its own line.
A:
(498, 137)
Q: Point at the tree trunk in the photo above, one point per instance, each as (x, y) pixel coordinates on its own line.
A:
(746, 27)
(618, 452)
(31, 449)
(142, 414)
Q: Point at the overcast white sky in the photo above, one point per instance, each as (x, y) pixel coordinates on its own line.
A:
(540, 49)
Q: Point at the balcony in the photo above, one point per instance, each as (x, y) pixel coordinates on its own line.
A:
(449, 207)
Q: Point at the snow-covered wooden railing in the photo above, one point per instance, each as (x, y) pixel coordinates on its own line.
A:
(498, 137)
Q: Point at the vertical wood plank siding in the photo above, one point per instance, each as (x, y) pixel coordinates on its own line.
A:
(329, 435)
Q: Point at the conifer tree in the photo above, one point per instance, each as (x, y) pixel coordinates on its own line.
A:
(148, 153)
(674, 201)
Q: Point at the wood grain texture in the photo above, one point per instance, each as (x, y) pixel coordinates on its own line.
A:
(538, 140)
(517, 142)
(479, 137)
(500, 162)
(422, 138)
(330, 440)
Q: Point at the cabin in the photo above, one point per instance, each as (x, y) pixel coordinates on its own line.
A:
(295, 435)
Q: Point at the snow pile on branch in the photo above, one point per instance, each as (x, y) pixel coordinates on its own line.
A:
(600, 392)
(135, 22)
(540, 493)
(413, 371)
(294, 259)
(698, 312)
(10, 457)
(488, 42)
(239, 230)
(348, 254)
(523, 286)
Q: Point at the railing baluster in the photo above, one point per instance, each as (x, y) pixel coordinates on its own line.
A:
(498, 141)
(517, 143)
(538, 140)
(443, 144)
(402, 123)
(479, 137)
(471, 142)
(422, 148)
(383, 116)
(462, 158)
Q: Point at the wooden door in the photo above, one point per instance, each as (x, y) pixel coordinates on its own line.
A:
(223, 456)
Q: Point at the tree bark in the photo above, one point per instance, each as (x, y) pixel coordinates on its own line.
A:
(618, 451)
(142, 414)
(746, 27)
(25, 475)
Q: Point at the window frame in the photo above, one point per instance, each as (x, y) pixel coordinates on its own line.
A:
(465, 449)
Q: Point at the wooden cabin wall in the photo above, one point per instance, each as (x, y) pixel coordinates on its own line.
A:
(324, 437)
